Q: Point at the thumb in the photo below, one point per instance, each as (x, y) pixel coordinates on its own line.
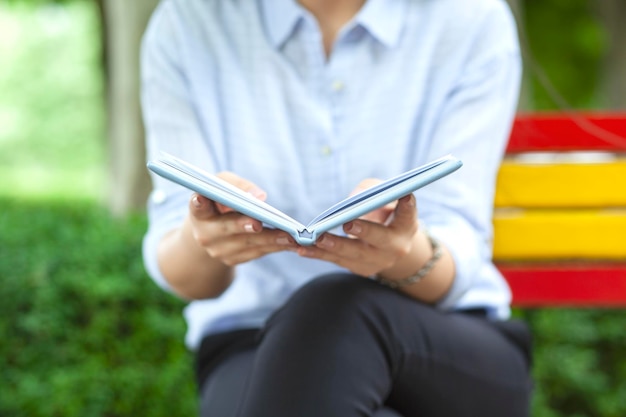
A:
(381, 214)
(405, 214)
(201, 208)
(364, 185)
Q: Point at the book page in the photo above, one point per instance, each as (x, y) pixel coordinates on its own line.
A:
(377, 189)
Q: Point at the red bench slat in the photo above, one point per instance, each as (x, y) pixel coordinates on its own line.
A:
(558, 132)
(568, 285)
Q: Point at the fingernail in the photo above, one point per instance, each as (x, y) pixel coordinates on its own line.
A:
(248, 227)
(353, 228)
(282, 240)
(196, 201)
(325, 242)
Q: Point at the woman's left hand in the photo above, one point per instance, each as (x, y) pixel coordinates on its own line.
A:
(375, 242)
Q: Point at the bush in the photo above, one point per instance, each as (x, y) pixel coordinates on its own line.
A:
(88, 334)
(580, 362)
(86, 331)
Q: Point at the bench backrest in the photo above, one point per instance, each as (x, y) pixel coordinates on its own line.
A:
(560, 221)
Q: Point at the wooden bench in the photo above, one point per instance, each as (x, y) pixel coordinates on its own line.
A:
(560, 220)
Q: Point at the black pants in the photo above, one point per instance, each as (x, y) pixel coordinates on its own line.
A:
(346, 346)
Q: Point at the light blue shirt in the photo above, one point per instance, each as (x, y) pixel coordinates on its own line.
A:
(244, 86)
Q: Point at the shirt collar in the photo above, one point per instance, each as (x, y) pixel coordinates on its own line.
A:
(383, 19)
(280, 18)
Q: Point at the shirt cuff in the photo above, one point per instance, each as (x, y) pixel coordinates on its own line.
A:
(468, 255)
(170, 210)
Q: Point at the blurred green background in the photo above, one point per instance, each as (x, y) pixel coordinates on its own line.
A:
(86, 331)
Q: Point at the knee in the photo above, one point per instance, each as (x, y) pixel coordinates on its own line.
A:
(333, 294)
(332, 301)
(334, 313)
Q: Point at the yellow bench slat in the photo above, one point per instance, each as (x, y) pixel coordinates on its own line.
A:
(560, 234)
(562, 185)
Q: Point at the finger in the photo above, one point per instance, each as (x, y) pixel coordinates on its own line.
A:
(381, 214)
(375, 234)
(252, 254)
(405, 214)
(392, 240)
(362, 261)
(341, 247)
(364, 185)
(229, 224)
(245, 247)
(201, 208)
(346, 251)
(359, 256)
(396, 235)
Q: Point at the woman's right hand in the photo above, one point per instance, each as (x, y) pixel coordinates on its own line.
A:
(231, 237)
(197, 259)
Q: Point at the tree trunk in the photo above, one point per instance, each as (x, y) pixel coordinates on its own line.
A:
(124, 23)
(613, 14)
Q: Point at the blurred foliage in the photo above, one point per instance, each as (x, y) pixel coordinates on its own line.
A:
(86, 331)
(51, 105)
(566, 41)
(580, 367)
(88, 334)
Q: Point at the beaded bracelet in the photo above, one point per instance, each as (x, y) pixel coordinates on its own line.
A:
(423, 271)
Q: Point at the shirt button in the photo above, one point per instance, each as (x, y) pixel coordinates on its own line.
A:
(338, 86)
(327, 150)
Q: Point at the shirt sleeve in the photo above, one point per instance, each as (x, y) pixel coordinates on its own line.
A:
(171, 125)
(474, 125)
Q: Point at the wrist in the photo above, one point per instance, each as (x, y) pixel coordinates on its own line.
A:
(187, 267)
(425, 254)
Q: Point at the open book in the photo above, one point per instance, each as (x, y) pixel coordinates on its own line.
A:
(218, 190)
